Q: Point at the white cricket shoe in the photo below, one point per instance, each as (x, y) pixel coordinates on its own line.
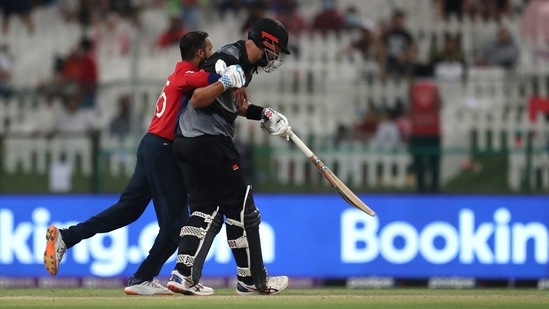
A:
(275, 285)
(55, 249)
(184, 285)
(147, 288)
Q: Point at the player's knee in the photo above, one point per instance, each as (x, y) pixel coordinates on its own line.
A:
(252, 219)
(200, 222)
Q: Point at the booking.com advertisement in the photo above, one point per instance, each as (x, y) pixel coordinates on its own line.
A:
(316, 236)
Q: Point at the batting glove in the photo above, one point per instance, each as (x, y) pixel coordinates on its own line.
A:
(275, 123)
(233, 77)
(220, 67)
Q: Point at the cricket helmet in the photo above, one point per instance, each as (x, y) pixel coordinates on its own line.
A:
(270, 35)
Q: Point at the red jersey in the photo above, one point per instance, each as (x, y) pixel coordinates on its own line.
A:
(425, 112)
(178, 89)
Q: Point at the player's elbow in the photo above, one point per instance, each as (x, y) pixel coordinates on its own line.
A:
(198, 100)
(205, 96)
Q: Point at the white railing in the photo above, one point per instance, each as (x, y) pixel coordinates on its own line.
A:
(354, 164)
(538, 154)
(30, 154)
(315, 105)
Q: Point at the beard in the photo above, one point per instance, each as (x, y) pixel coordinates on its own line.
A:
(201, 62)
(263, 62)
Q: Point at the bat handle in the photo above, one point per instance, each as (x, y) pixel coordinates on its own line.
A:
(300, 144)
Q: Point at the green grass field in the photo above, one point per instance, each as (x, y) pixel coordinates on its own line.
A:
(292, 298)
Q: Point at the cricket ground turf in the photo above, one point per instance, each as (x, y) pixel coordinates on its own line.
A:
(337, 298)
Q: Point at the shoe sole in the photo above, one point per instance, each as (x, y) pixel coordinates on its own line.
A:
(50, 255)
(258, 293)
(281, 289)
(174, 288)
(130, 292)
(249, 293)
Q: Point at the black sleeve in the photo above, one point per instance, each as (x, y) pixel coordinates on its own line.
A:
(409, 37)
(209, 65)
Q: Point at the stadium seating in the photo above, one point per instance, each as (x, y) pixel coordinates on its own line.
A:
(318, 92)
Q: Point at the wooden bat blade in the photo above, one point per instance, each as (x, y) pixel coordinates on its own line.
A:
(346, 193)
(336, 183)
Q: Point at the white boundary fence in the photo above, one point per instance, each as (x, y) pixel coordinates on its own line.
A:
(315, 104)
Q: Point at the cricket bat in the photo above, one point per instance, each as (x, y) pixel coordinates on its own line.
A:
(336, 183)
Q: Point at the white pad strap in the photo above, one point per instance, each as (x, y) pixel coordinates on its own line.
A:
(244, 272)
(193, 231)
(185, 259)
(207, 218)
(240, 242)
(234, 222)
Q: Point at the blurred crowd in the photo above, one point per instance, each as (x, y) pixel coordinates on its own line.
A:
(393, 46)
(108, 25)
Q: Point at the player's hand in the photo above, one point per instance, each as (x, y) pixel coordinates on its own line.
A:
(233, 77)
(220, 67)
(240, 96)
(275, 123)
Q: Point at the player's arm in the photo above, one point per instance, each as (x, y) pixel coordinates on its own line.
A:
(208, 86)
(232, 77)
(240, 96)
(243, 108)
(196, 79)
(204, 96)
(272, 121)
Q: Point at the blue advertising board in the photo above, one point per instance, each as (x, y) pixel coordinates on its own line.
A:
(318, 236)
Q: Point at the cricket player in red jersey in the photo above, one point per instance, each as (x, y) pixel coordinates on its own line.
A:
(156, 174)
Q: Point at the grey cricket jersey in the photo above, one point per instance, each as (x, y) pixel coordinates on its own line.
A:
(217, 118)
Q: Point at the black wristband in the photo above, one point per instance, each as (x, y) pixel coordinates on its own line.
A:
(254, 112)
